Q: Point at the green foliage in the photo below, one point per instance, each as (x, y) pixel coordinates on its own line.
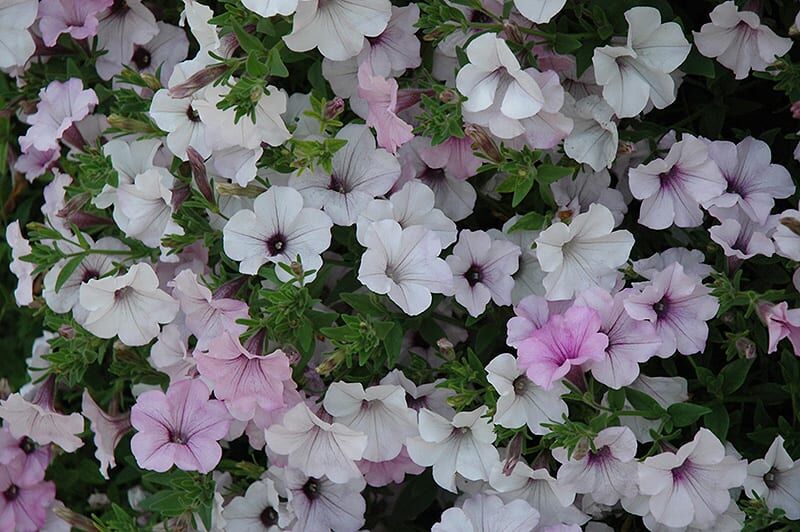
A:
(440, 118)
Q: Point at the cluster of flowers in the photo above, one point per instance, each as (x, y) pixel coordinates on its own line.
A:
(220, 190)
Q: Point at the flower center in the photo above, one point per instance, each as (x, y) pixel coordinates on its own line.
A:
(27, 445)
(416, 403)
(338, 184)
(11, 493)
(680, 473)
(122, 293)
(177, 437)
(193, 115)
(433, 174)
(311, 488)
(599, 455)
(119, 6)
(141, 58)
(269, 517)
(520, 384)
(474, 275)
(670, 177)
(276, 244)
(88, 275)
(770, 480)
(661, 308)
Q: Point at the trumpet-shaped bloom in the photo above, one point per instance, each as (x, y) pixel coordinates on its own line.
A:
(146, 207)
(583, 254)
(594, 137)
(575, 194)
(108, 431)
(539, 11)
(20, 247)
(321, 504)
(259, 509)
(488, 513)
(776, 479)
(130, 306)
(781, 323)
(639, 72)
(739, 41)
(565, 340)
(76, 17)
(463, 445)
(674, 187)
(404, 264)
(740, 236)
(397, 47)
(23, 501)
(181, 427)
(16, 42)
(125, 24)
(31, 458)
(381, 97)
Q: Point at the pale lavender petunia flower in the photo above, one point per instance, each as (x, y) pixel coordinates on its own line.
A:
(776, 479)
(381, 97)
(397, 47)
(258, 510)
(575, 194)
(531, 314)
(429, 395)
(539, 11)
(317, 447)
(61, 104)
(565, 340)
(488, 513)
(455, 155)
(361, 172)
(161, 53)
(20, 247)
(16, 42)
(379, 474)
(33, 459)
(782, 322)
(108, 431)
(244, 381)
(125, 24)
(673, 188)
(753, 181)
(463, 445)
(690, 486)
(482, 270)
(607, 471)
(34, 163)
(76, 17)
(630, 342)
(404, 264)
(594, 138)
(181, 427)
(741, 237)
(23, 501)
(739, 41)
(693, 262)
(679, 306)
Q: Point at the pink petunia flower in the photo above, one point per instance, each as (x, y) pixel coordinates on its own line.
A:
(34, 163)
(679, 306)
(381, 97)
(76, 17)
(60, 106)
(244, 381)
(455, 155)
(23, 501)
(379, 474)
(180, 427)
(33, 459)
(566, 340)
(108, 431)
(781, 323)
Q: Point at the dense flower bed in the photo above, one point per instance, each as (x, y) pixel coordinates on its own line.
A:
(352, 265)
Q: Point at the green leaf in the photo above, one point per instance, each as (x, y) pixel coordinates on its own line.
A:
(68, 269)
(256, 67)
(684, 414)
(275, 64)
(565, 44)
(249, 42)
(645, 403)
(734, 375)
(393, 344)
(521, 189)
(698, 65)
(549, 173)
(616, 399)
(718, 421)
(532, 221)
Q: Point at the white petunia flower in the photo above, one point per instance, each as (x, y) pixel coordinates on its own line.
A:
(337, 27)
(488, 513)
(16, 42)
(277, 230)
(463, 445)
(639, 72)
(258, 510)
(130, 306)
(404, 264)
(122, 26)
(146, 205)
(129, 159)
(776, 479)
(528, 277)
(594, 137)
(582, 254)
(539, 11)
(361, 172)
(270, 8)
(380, 412)
(521, 401)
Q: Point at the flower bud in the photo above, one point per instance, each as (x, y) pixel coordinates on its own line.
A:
(198, 166)
(792, 223)
(333, 108)
(795, 109)
(197, 81)
(179, 195)
(746, 347)
(482, 142)
(446, 348)
(67, 332)
(229, 189)
(513, 453)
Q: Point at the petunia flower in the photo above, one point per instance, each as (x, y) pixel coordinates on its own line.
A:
(739, 41)
(529, 276)
(482, 270)
(38, 420)
(781, 323)
(207, 317)
(639, 72)
(594, 137)
(16, 42)
(320, 503)
(270, 8)
(539, 11)
(180, 427)
(78, 18)
(428, 395)
(488, 513)
(463, 445)
(674, 187)
(259, 509)
(281, 227)
(315, 446)
(337, 27)
(61, 104)
(575, 194)
(690, 486)
(361, 172)
(23, 270)
(130, 306)
(108, 431)
(34, 163)
(679, 306)
(170, 353)
(146, 206)
(565, 340)
(244, 381)
(397, 47)
(32, 459)
(583, 254)
(455, 155)
(754, 182)
(666, 391)
(630, 342)
(380, 412)
(607, 471)
(161, 53)
(381, 97)
(531, 314)
(404, 264)
(776, 479)
(23, 501)
(692, 260)
(741, 237)
(379, 474)
(522, 402)
(125, 24)
(497, 87)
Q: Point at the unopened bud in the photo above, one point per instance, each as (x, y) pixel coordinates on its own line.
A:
(228, 290)
(512, 33)
(795, 109)
(5, 389)
(66, 332)
(179, 195)
(130, 125)
(513, 453)
(447, 96)
(152, 82)
(746, 347)
(482, 142)
(255, 344)
(792, 223)
(197, 81)
(625, 148)
(85, 219)
(74, 204)
(446, 348)
(256, 93)
(229, 189)
(75, 520)
(198, 166)
(580, 450)
(333, 108)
